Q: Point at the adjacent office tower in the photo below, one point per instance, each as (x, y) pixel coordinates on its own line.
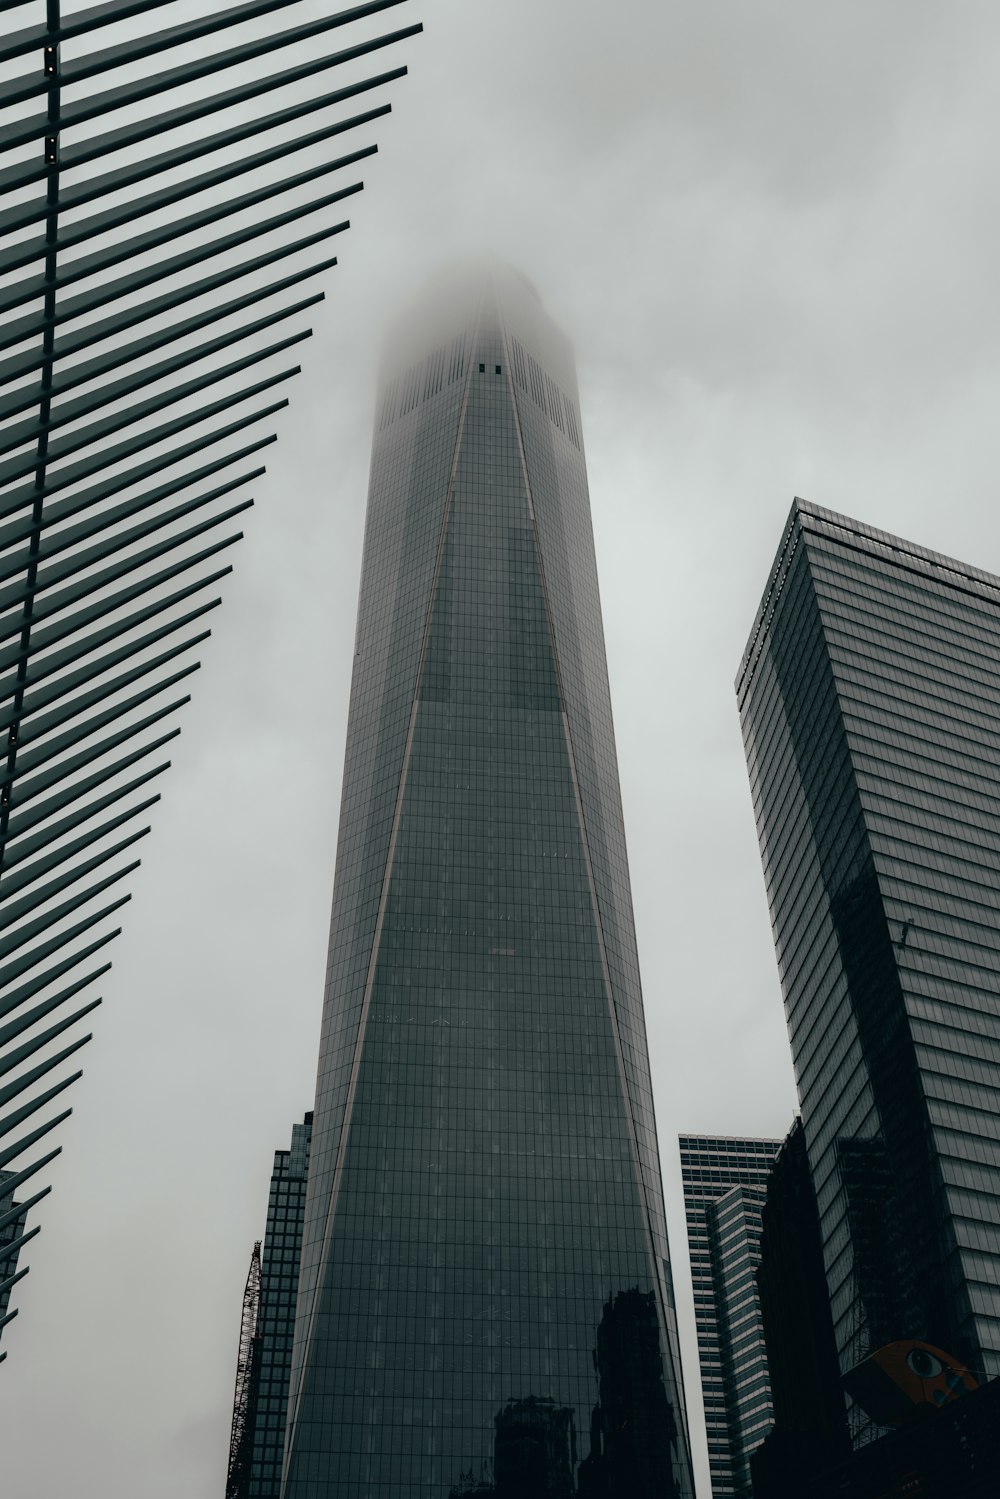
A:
(484, 1207)
(257, 1443)
(725, 1184)
(870, 702)
(278, 1289)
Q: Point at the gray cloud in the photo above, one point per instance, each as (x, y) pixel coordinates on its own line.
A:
(771, 232)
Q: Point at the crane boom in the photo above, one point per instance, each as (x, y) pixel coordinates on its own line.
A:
(247, 1385)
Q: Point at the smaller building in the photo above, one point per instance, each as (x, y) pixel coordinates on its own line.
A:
(276, 1323)
(725, 1184)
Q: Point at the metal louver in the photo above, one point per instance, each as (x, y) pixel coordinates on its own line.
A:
(144, 340)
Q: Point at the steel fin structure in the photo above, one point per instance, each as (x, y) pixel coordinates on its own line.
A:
(173, 178)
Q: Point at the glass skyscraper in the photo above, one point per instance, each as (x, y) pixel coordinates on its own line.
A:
(870, 702)
(725, 1184)
(278, 1290)
(485, 1302)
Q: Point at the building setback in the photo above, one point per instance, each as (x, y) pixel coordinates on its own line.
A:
(725, 1183)
(870, 701)
(484, 1188)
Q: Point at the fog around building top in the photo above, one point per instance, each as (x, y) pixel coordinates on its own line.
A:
(771, 234)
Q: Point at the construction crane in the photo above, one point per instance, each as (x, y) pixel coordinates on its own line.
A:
(247, 1385)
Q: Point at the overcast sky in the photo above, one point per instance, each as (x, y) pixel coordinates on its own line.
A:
(771, 231)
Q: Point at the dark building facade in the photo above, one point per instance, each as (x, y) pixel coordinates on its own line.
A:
(485, 1179)
(952, 1453)
(279, 1281)
(870, 701)
(724, 1182)
(807, 1398)
(633, 1426)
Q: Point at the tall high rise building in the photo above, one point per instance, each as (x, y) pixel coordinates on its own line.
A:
(725, 1184)
(870, 703)
(484, 1212)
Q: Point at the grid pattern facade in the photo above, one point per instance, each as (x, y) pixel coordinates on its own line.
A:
(724, 1191)
(484, 1228)
(278, 1290)
(870, 701)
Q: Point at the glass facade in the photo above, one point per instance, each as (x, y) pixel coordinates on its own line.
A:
(870, 702)
(485, 1299)
(276, 1322)
(725, 1184)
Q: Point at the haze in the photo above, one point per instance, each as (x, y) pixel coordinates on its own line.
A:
(771, 231)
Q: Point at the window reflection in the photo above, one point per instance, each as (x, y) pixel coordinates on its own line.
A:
(633, 1430)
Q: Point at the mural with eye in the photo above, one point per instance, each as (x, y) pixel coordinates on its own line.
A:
(896, 1384)
(924, 1363)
